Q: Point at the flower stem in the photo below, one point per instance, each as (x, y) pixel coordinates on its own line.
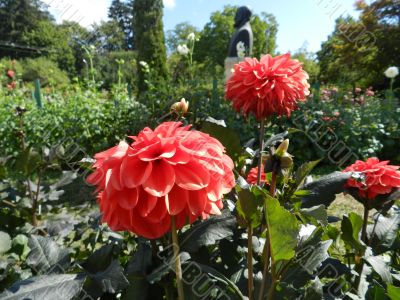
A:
(359, 256)
(260, 166)
(250, 261)
(272, 187)
(266, 253)
(177, 260)
(272, 191)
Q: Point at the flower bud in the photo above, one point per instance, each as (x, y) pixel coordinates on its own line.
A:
(282, 149)
(181, 107)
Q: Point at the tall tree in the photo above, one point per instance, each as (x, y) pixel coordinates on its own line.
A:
(364, 47)
(179, 35)
(150, 40)
(121, 12)
(17, 17)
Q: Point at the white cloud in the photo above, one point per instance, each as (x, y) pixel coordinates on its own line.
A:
(84, 12)
(169, 3)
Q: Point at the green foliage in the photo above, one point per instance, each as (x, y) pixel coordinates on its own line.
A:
(150, 41)
(363, 48)
(121, 12)
(47, 71)
(215, 36)
(91, 120)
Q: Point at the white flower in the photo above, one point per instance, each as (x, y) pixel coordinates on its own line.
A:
(392, 72)
(183, 49)
(5, 242)
(191, 36)
(241, 49)
(143, 64)
(306, 231)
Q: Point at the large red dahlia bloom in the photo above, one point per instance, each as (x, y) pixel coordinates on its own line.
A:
(170, 171)
(270, 86)
(380, 177)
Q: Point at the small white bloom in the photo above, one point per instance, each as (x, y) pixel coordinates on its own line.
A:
(143, 64)
(306, 231)
(191, 36)
(392, 72)
(5, 242)
(183, 49)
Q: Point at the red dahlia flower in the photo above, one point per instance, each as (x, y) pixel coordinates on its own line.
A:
(380, 177)
(252, 176)
(270, 86)
(11, 74)
(12, 86)
(170, 171)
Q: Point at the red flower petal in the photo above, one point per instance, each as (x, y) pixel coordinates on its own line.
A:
(197, 201)
(176, 200)
(128, 198)
(161, 179)
(134, 172)
(191, 176)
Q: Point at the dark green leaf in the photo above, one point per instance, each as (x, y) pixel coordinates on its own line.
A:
(60, 287)
(324, 190)
(227, 136)
(385, 229)
(376, 293)
(226, 289)
(138, 288)
(351, 228)
(380, 267)
(304, 170)
(111, 279)
(393, 292)
(276, 139)
(319, 213)
(250, 204)
(208, 232)
(283, 230)
(99, 260)
(166, 267)
(141, 260)
(46, 255)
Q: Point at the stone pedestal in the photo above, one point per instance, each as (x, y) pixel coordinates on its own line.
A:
(229, 64)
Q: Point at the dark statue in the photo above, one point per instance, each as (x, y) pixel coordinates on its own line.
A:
(243, 33)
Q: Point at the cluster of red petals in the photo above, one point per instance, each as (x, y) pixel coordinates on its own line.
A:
(252, 176)
(171, 171)
(11, 86)
(271, 86)
(11, 74)
(380, 177)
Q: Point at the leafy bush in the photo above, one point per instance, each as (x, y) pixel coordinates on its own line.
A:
(45, 70)
(92, 120)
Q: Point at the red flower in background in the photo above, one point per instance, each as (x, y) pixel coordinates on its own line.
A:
(270, 86)
(170, 171)
(12, 86)
(380, 177)
(10, 74)
(252, 176)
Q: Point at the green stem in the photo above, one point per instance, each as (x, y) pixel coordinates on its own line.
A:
(250, 261)
(359, 257)
(260, 166)
(177, 260)
(272, 191)
(266, 254)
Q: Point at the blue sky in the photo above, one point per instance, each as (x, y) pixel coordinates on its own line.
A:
(300, 21)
